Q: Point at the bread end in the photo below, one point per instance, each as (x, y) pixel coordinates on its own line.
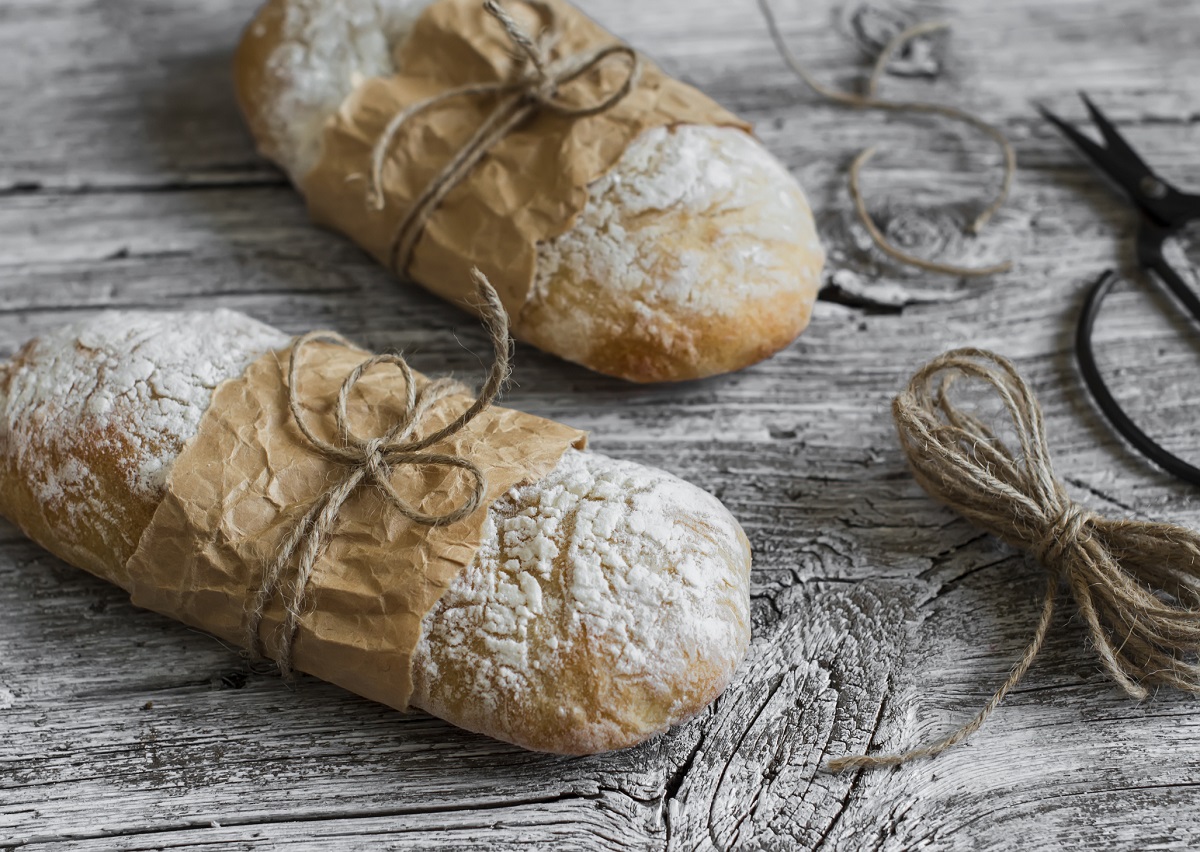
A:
(252, 79)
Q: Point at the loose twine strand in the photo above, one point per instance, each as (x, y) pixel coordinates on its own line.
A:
(871, 100)
(372, 462)
(1136, 584)
(536, 88)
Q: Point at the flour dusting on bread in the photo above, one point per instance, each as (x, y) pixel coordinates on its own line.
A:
(328, 48)
(636, 246)
(143, 376)
(97, 412)
(606, 564)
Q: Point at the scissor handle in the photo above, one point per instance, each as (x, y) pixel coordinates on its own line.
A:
(1108, 404)
(1150, 239)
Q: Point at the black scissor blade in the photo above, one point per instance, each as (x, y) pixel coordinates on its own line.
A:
(1127, 176)
(1117, 148)
(1094, 152)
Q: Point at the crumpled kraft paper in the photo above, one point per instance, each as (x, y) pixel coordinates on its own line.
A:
(242, 483)
(529, 188)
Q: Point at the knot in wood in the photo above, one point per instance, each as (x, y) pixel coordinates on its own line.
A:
(927, 231)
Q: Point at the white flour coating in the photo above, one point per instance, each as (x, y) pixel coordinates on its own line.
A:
(634, 567)
(627, 237)
(329, 48)
(132, 385)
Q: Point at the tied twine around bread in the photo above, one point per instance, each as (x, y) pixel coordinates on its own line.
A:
(1136, 584)
(371, 462)
(535, 88)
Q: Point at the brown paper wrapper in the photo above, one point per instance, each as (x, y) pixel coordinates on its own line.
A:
(529, 188)
(248, 476)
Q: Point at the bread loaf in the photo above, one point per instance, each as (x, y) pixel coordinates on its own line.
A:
(696, 254)
(606, 602)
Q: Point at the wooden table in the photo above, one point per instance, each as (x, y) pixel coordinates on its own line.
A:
(880, 620)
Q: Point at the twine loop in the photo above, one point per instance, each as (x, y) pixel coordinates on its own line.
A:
(372, 461)
(870, 99)
(1136, 584)
(535, 87)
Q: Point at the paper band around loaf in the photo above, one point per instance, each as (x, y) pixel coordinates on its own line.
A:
(531, 185)
(240, 486)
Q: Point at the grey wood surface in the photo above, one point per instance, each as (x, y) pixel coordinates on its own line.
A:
(880, 619)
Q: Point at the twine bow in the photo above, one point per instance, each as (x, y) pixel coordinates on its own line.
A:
(373, 462)
(536, 87)
(1136, 584)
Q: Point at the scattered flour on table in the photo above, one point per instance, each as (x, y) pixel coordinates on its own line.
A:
(601, 553)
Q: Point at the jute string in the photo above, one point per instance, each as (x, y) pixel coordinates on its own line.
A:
(870, 99)
(372, 462)
(1136, 584)
(535, 88)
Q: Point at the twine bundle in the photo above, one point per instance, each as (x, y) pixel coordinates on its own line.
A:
(535, 88)
(870, 99)
(371, 462)
(1136, 584)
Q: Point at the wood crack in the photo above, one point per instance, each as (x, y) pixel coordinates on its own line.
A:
(675, 782)
(956, 581)
(836, 295)
(859, 774)
(252, 181)
(777, 682)
(363, 813)
(1106, 497)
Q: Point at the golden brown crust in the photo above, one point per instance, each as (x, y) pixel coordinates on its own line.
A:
(93, 416)
(253, 84)
(698, 346)
(82, 532)
(636, 621)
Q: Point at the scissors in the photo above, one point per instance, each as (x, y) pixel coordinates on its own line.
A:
(1164, 211)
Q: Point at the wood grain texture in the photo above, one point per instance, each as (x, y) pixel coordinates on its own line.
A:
(880, 620)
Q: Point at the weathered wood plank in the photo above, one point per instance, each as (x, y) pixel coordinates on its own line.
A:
(138, 93)
(880, 619)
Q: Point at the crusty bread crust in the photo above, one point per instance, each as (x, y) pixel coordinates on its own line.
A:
(94, 415)
(252, 81)
(717, 316)
(82, 532)
(606, 603)
(711, 269)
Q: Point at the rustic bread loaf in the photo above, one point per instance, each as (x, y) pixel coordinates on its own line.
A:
(606, 602)
(695, 255)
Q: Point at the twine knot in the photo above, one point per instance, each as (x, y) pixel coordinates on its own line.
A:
(1065, 531)
(1136, 584)
(536, 86)
(372, 461)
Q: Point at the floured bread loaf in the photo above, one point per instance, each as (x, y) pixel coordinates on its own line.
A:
(696, 254)
(607, 601)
